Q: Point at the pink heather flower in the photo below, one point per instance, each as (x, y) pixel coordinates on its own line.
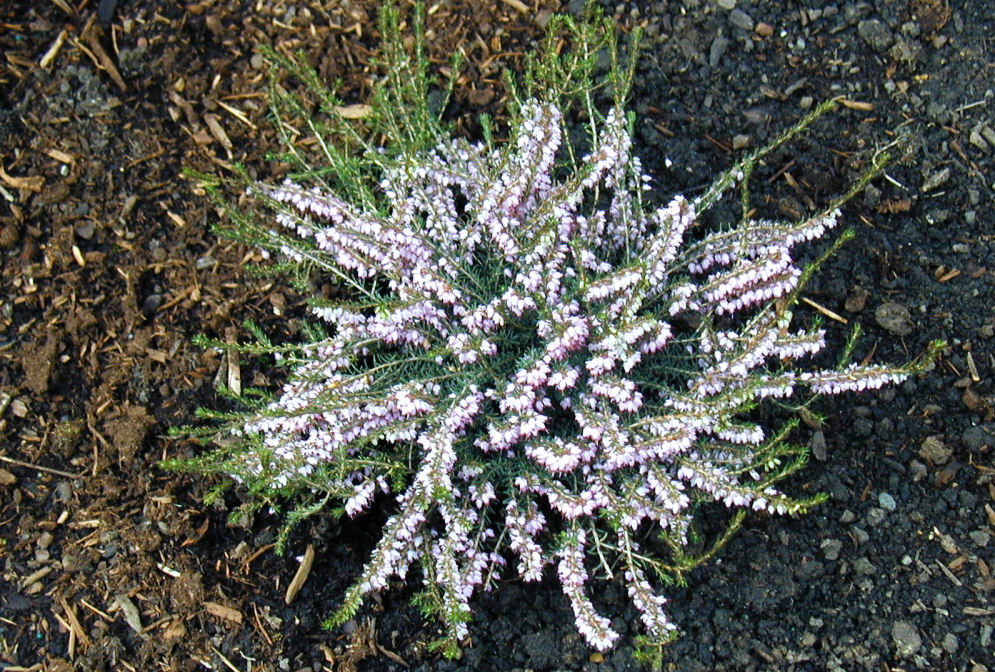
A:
(522, 340)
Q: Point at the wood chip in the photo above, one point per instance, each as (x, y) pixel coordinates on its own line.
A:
(37, 575)
(949, 275)
(855, 104)
(518, 6)
(972, 369)
(353, 111)
(949, 574)
(978, 611)
(301, 576)
(221, 611)
(33, 183)
(237, 113)
(60, 156)
(53, 51)
(218, 131)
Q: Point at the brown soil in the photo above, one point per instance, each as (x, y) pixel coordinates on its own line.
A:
(110, 267)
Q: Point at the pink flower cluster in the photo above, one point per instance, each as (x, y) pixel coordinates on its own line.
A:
(526, 339)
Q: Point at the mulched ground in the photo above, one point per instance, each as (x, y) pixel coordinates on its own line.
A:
(110, 268)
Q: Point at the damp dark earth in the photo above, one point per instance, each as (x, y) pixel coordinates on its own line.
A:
(110, 268)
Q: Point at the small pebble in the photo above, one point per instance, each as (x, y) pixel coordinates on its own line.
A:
(980, 538)
(741, 19)
(933, 450)
(895, 318)
(818, 445)
(764, 29)
(886, 501)
(906, 637)
(831, 548)
(718, 49)
(875, 516)
(864, 567)
(86, 231)
(950, 643)
(875, 33)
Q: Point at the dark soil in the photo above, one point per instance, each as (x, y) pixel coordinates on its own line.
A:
(110, 268)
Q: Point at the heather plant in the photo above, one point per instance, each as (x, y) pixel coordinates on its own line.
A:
(534, 359)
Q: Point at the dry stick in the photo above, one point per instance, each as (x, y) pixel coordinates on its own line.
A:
(105, 61)
(37, 467)
(81, 635)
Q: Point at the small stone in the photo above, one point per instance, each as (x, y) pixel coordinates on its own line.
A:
(976, 438)
(808, 640)
(86, 231)
(895, 318)
(831, 549)
(875, 516)
(875, 33)
(257, 61)
(818, 445)
(980, 538)
(976, 139)
(872, 196)
(905, 51)
(741, 19)
(860, 536)
(950, 643)
(864, 567)
(886, 501)
(863, 427)
(934, 451)
(740, 141)
(764, 29)
(718, 49)
(727, 5)
(988, 134)
(906, 638)
(848, 517)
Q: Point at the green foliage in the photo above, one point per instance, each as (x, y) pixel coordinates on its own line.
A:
(304, 450)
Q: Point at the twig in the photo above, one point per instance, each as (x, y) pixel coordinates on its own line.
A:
(104, 61)
(38, 467)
